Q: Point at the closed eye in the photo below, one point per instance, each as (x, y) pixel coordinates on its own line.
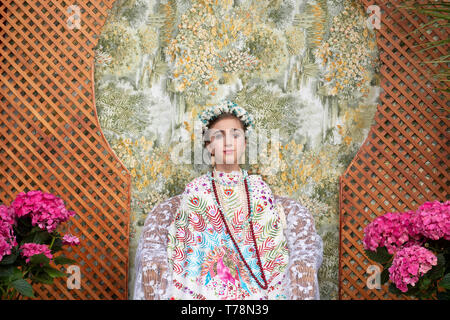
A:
(218, 135)
(237, 133)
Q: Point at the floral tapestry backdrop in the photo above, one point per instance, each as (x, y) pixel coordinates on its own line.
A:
(306, 68)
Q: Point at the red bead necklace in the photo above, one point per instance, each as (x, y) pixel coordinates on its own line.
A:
(266, 285)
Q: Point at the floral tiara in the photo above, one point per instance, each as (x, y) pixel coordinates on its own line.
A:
(226, 106)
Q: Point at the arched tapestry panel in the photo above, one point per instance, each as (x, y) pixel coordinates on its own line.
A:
(51, 140)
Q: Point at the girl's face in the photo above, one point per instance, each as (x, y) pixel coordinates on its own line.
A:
(227, 142)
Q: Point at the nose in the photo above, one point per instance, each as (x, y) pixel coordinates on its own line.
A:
(229, 139)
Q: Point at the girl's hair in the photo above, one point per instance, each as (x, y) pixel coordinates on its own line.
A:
(224, 115)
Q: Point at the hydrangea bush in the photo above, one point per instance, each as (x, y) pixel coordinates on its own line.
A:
(413, 248)
(30, 241)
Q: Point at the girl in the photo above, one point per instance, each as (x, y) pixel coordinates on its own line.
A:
(227, 241)
(227, 238)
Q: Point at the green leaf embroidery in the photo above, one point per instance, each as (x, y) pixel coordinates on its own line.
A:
(196, 203)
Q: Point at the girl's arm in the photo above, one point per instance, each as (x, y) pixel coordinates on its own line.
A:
(152, 267)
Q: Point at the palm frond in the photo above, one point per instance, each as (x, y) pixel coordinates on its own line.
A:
(440, 60)
(432, 44)
(442, 3)
(433, 13)
(412, 5)
(419, 28)
(438, 12)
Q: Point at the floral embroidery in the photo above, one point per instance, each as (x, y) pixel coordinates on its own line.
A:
(202, 255)
(228, 192)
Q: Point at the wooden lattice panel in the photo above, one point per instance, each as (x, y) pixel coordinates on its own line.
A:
(403, 161)
(51, 140)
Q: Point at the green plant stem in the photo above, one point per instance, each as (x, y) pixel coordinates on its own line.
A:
(13, 293)
(24, 274)
(53, 240)
(6, 292)
(9, 295)
(19, 296)
(3, 292)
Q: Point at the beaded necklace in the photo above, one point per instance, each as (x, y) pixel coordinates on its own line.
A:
(266, 285)
(240, 189)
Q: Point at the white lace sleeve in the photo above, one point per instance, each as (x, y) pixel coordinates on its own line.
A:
(152, 269)
(305, 251)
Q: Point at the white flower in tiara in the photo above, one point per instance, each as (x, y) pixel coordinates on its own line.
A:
(226, 106)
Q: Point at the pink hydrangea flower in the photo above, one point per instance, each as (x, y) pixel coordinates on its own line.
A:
(391, 230)
(7, 238)
(432, 220)
(7, 215)
(30, 249)
(71, 240)
(409, 263)
(46, 210)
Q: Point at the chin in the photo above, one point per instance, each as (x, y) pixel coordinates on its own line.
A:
(229, 159)
(226, 161)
